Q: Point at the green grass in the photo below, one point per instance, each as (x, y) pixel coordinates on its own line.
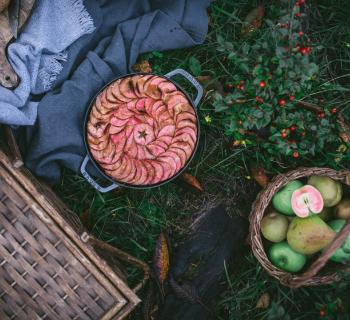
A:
(132, 220)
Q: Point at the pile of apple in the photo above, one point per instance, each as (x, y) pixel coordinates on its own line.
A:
(304, 220)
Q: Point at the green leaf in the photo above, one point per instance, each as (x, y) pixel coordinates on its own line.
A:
(195, 66)
(244, 67)
(158, 54)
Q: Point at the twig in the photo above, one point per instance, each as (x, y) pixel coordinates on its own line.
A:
(16, 156)
(345, 134)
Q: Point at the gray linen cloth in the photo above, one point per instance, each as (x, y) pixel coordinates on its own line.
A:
(38, 53)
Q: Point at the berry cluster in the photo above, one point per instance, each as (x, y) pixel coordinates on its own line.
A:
(262, 103)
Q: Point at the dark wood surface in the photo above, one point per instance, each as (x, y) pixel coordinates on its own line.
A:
(8, 77)
(4, 4)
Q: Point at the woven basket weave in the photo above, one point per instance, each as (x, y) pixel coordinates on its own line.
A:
(312, 276)
(49, 266)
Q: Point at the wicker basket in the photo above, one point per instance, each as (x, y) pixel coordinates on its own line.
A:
(312, 276)
(50, 267)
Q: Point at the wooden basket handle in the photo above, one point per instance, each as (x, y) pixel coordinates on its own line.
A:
(123, 256)
(325, 256)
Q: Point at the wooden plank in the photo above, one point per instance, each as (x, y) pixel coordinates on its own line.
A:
(8, 77)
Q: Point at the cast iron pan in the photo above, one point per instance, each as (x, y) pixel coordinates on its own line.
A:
(115, 184)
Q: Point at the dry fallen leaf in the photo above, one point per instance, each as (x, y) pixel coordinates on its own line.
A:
(119, 192)
(161, 259)
(143, 66)
(259, 175)
(211, 84)
(345, 137)
(264, 301)
(345, 134)
(253, 20)
(192, 181)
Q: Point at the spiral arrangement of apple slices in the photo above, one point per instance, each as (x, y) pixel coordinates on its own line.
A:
(142, 130)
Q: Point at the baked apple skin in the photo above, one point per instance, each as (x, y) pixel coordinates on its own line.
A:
(142, 130)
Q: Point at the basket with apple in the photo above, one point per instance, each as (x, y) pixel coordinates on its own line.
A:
(300, 226)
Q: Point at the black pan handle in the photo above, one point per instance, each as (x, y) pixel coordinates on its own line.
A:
(192, 80)
(89, 179)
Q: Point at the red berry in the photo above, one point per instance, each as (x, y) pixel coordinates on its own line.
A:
(230, 86)
(292, 98)
(304, 51)
(293, 128)
(321, 115)
(281, 102)
(284, 134)
(322, 313)
(241, 81)
(301, 33)
(295, 154)
(241, 87)
(303, 134)
(298, 15)
(334, 110)
(259, 99)
(262, 84)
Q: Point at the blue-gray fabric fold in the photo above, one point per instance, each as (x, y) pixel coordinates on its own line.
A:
(124, 29)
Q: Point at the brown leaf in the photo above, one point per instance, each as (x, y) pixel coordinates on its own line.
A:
(253, 20)
(161, 259)
(192, 181)
(119, 191)
(345, 134)
(345, 137)
(204, 80)
(210, 84)
(264, 301)
(187, 292)
(143, 66)
(259, 175)
(85, 218)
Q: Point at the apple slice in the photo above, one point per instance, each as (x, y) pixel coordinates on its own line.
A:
(306, 201)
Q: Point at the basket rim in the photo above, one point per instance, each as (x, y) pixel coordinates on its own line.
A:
(262, 202)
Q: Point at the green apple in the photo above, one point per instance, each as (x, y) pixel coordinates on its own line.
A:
(331, 190)
(342, 254)
(342, 210)
(274, 227)
(282, 199)
(285, 258)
